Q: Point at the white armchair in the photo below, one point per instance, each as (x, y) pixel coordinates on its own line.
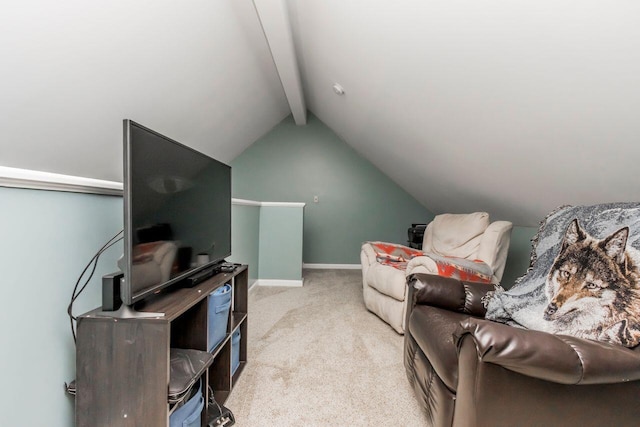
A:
(467, 246)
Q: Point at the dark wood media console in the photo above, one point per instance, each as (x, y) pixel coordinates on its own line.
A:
(122, 364)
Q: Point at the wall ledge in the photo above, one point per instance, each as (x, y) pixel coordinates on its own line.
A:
(243, 202)
(37, 180)
(284, 204)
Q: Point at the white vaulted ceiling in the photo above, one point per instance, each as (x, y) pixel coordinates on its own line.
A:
(509, 107)
(198, 71)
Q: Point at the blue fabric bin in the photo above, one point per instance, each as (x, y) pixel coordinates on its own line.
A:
(189, 414)
(219, 306)
(235, 351)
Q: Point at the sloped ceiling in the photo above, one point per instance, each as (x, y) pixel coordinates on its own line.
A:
(198, 71)
(510, 107)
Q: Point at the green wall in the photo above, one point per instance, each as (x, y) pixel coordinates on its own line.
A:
(357, 202)
(519, 255)
(281, 243)
(46, 240)
(245, 236)
(48, 237)
(267, 237)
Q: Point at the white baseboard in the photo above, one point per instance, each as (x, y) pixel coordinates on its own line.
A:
(332, 266)
(278, 282)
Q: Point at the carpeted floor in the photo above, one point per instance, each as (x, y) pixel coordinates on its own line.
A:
(317, 357)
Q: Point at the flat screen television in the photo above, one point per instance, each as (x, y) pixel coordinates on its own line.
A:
(177, 212)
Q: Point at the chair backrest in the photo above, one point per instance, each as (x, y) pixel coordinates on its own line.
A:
(456, 235)
(471, 236)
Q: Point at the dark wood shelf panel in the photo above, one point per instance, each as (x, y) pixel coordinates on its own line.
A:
(221, 395)
(238, 372)
(122, 365)
(236, 320)
(175, 302)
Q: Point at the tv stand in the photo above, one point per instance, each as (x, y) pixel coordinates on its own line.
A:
(122, 361)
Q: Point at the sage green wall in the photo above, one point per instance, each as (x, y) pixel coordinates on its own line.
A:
(245, 235)
(519, 255)
(46, 239)
(357, 202)
(281, 243)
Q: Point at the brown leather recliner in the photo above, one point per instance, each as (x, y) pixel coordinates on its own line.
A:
(468, 371)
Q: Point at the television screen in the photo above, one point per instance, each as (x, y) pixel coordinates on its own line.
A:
(177, 212)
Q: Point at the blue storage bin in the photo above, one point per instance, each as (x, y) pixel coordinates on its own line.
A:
(219, 306)
(189, 414)
(235, 351)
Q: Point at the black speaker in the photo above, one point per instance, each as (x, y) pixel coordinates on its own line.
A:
(184, 258)
(111, 300)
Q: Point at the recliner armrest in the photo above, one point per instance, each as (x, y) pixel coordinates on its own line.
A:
(367, 255)
(556, 358)
(448, 293)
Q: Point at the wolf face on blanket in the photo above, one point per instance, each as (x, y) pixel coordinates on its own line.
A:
(593, 287)
(583, 278)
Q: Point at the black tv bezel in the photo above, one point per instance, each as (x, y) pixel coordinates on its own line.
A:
(126, 291)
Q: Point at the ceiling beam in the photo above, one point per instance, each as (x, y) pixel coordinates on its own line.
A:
(274, 18)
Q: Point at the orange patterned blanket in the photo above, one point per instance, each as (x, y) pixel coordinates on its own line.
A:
(398, 256)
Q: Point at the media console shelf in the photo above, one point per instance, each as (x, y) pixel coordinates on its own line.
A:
(122, 365)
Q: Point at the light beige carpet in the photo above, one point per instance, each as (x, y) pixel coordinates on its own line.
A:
(317, 357)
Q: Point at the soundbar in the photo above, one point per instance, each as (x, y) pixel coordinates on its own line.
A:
(201, 276)
(223, 267)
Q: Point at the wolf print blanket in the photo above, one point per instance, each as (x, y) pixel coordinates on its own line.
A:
(584, 276)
